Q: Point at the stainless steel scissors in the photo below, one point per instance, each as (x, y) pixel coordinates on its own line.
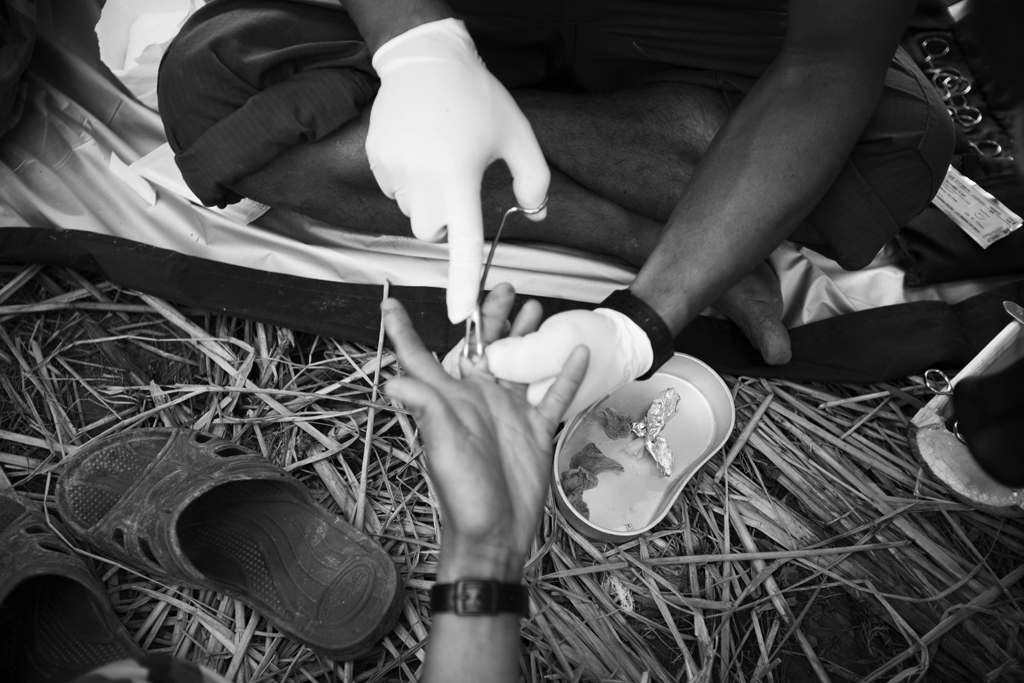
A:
(1015, 310)
(940, 385)
(952, 85)
(473, 344)
(988, 148)
(934, 47)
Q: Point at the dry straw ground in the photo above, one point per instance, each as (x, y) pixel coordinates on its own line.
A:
(812, 548)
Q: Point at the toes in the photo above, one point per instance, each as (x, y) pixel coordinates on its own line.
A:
(765, 332)
(755, 305)
(772, 340)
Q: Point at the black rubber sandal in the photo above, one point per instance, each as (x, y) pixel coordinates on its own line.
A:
(56, 622)
(197, 510)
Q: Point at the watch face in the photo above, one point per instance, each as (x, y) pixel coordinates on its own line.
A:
(469, 598)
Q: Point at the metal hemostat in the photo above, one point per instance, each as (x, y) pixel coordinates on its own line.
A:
(473, 343)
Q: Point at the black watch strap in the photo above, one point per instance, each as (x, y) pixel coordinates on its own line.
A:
(648, 320)
(478, 597)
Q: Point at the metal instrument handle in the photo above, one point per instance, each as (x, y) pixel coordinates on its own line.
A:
(473, 344)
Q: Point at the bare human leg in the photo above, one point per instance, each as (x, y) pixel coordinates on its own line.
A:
(331, 181)
(619, 164)
(639, 147)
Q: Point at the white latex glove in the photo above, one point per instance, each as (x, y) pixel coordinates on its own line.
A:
(439, 120)
(619, 352)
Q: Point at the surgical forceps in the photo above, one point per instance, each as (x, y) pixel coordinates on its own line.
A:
(473, 344)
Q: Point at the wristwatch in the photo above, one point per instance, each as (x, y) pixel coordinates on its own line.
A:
(479, 597)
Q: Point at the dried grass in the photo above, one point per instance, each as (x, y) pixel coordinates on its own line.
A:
(821, 497)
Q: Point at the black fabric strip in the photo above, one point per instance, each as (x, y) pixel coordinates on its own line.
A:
(869, 346)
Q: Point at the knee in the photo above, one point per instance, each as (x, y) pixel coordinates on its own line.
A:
(893, 173)
(906, 149)
(241, 84)
(199, 81)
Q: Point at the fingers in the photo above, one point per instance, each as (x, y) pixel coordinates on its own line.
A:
(450, 362)
(562, 391)
(426, 212)
(475, 368)
(457, 214)
(495, 309)
(528, 319)
(531, 358)
(536, 392)
(409, 348)
(494, 322)
(530, 173)
(465, 249)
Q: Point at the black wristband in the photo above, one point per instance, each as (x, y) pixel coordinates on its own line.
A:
(479, 597)
(648, 320)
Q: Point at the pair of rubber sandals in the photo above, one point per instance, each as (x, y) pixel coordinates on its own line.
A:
(191, 509)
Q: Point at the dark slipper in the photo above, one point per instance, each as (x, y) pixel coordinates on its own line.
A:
(56, 622)
(194, 509)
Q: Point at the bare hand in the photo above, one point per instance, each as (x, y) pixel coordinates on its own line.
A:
(488, 450)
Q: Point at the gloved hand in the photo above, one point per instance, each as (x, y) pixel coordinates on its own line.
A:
(620, 351)
(439, 119)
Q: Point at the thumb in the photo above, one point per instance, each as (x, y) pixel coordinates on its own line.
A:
(529, 359)
(465, 250)
(538, 390)
(530, 173)
(426, 211)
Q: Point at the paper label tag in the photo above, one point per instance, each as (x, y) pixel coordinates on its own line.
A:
(979, 214)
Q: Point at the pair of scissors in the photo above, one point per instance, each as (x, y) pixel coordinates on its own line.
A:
(953, 86)
(988, 148)
(966, 115)
(939, 384)
(473, 344)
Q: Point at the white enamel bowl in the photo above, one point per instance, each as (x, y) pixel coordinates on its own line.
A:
(626, 504)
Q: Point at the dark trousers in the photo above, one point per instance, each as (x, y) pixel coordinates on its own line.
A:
(245, 80)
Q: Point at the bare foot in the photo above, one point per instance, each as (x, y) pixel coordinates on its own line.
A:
(755, 304)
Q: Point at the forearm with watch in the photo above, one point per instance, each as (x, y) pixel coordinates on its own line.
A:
(477, 603)
(488, 453)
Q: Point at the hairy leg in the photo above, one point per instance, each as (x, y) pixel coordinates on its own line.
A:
(331, 181)
(639, 147)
